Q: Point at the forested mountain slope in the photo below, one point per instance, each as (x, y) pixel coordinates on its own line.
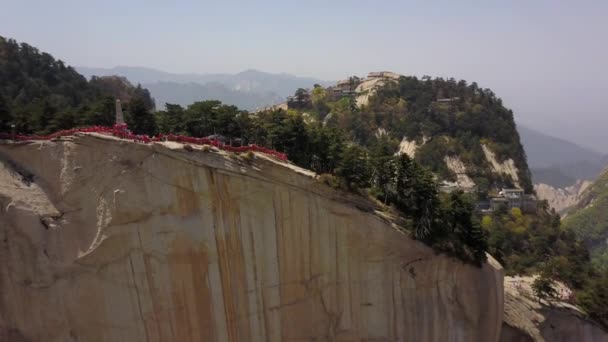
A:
(461, 131)
(589, 219)
(249, 89)
(39, 94)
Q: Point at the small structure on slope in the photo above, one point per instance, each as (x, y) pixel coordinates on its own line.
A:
(120, 119)
(513, 198)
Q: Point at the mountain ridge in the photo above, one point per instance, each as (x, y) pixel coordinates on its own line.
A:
(558, 162)
(41, 94)
(258, 88)
(547, 150)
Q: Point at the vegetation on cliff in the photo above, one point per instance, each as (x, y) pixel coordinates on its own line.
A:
(525, 243)
(468, 117)
(39, 94)
(589, 220)
(443, 222)
(537, 243)
(455, 117)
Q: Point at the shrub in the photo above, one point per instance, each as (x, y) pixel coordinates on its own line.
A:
(330, 180)
(248, 156)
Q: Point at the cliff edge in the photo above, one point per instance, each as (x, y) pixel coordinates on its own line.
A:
(108, 240)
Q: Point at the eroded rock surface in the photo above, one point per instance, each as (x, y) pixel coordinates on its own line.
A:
(562, 199)
(105, 240)
(527, 319)
(506, 167)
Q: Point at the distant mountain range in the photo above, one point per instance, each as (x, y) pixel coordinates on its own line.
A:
(559, 162)
(249, 89)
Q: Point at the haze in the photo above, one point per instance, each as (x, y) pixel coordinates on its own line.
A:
(546, 60)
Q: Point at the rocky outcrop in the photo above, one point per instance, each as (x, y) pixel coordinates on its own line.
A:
(527, 319)
(455, 164)
(106, 240)
(371, 83)
(408, 147)
(506, 167)
(562, 199)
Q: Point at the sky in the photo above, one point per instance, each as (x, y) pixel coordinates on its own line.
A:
(548, 60)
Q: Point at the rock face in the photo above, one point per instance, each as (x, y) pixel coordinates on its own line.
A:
(506, 167)
(104, 240)
(455, 164)
(408, 147)
(528, 320)
(562, 199)
(371, 83)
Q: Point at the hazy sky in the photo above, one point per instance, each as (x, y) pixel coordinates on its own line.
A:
(548, 60)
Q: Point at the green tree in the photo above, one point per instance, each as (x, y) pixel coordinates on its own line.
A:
(200, 118)
(544, 287)
(319, 101)
(172, 119)
(469, 239)
(300, 100)
(63, 120)
(139, 118)
(295, 140)
(594, 299)
(144, 95)
(384, 166)
(5, 116)
(384, 170)
(43, 116)
(301, 95)
(405, 181)
(43, 94)
(328, 144)
(102, 113)
(354, 167)
(416, 195)
(425, 210)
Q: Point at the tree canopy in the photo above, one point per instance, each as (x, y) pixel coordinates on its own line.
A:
(39, 94)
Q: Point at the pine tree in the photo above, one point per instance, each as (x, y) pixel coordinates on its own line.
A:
(544, 287)
(404, 184)
(44, 116)
(5, 116)
(102, 113)
(470, 240)
(384, 170)
(295, 140)
(426, 204)
(594, 299)
(139, 118)
(171, 120)
(354, 167)
(384, 167)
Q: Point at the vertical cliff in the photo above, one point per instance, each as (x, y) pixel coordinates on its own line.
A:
(104, 240)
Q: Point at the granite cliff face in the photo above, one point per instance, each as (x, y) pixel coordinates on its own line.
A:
(562, 199)
(527, 319)
(105, 240)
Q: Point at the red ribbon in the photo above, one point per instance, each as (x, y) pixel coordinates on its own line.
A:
(121, 131)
